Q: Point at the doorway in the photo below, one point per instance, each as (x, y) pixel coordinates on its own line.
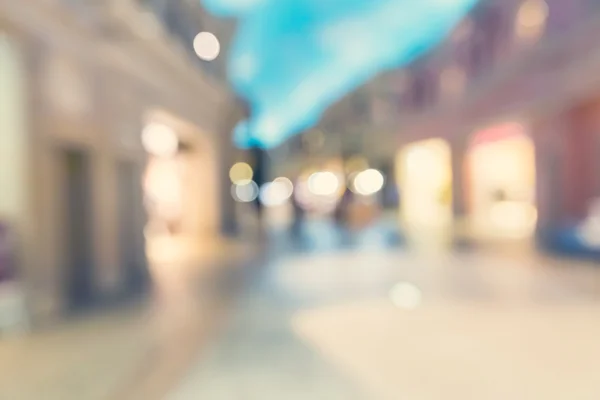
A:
(77, 225)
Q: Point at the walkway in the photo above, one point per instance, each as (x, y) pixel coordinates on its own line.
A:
(332, 321)
(124, 354)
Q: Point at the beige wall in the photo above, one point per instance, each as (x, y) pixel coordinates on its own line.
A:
(75, 100)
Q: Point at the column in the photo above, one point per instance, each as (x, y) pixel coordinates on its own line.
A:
(579, 146)
(550, 174)
(227, 157)
(459, 149)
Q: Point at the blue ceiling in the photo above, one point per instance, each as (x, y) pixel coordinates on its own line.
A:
(292, 59)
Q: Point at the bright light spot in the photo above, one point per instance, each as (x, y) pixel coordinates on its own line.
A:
(323, 183)
(163, 187)
(590, 234)
(518, 218)
(159, 140)
(406, 295)
(424, 174)
(245, 193)
(420, 158)
(369, 182)
(206, 46)
(589, 231)
(276, 193)
(531, 19)
(241, 173)
(285, 183)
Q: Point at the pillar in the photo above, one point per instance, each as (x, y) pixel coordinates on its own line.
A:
(550, 182)
(579, 152)
(566, 168)
(227, 157)
(459, 148)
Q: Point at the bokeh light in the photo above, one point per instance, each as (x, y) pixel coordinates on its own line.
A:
(406, 295)
(323, 183)
(369, 182)
(159, 140)
(207, 46)
(276, 193)
(287, 183)
(241, 173)
(245, 193)
(531, 19)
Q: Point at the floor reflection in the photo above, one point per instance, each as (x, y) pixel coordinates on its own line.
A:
(362, 315)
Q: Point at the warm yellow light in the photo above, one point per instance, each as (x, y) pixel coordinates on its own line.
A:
(207, 46)
(286, 184)
(241, 173)
(518, 218)
(531, 19)
(276, 193)
(323, 183)
(159, 140)
(424, 173)
(369, 182)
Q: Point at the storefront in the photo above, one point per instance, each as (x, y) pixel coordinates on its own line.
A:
(501, 182)
(424, 178)
(181, 189)
(73, 165)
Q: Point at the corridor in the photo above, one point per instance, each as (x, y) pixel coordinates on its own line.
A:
(367, 320)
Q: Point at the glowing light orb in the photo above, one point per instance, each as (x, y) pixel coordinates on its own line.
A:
(207, 46)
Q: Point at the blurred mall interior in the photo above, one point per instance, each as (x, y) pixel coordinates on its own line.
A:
(434, 235)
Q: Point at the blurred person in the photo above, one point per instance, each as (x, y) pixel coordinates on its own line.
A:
(299, 217)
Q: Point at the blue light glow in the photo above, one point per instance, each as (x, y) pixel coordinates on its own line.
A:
(292, 59)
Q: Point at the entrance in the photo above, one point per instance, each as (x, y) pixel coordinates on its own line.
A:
(180, 189)
(424, 177)
(77, 225)
(501, 166)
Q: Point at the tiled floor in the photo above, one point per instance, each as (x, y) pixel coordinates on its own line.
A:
(325, 324)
